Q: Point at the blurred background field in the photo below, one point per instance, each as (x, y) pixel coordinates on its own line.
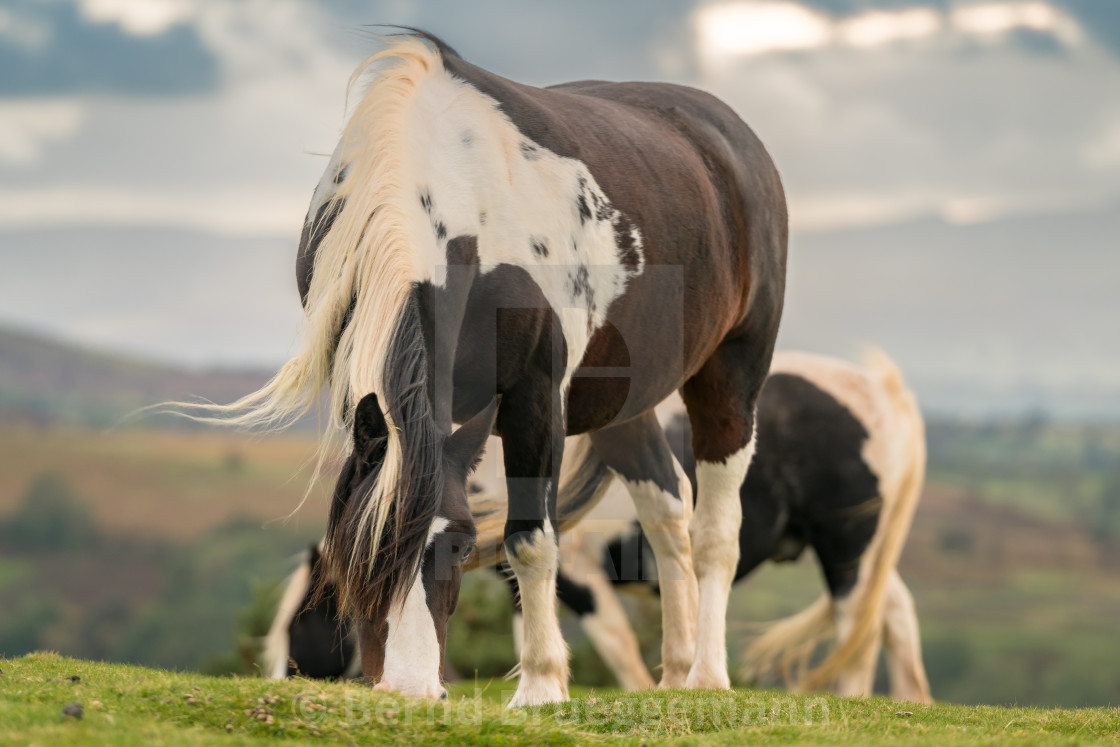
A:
(162, 543)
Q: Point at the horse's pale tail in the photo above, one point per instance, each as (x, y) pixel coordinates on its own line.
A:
(786, 648)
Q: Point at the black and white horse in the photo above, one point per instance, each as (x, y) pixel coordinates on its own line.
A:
(308, 635)
(543, 263)
(839, 469)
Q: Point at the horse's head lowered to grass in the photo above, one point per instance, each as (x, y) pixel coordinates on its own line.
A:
(412, 578)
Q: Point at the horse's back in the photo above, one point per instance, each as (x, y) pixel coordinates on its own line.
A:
(645, 141)
(701, 219)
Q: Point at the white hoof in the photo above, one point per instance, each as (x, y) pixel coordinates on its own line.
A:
(676, 680)
(535, 691)
(707, 678)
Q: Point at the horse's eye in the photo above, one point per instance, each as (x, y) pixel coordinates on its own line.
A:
(465, 550)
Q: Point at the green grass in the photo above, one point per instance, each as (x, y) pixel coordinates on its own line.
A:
(125, 705)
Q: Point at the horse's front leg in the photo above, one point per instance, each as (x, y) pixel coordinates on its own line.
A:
(533, 442)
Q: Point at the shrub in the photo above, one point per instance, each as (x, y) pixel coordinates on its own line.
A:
(51, 517)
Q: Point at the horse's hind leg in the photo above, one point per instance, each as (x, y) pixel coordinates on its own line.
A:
(857, 680)
(639, 454)
(583, 587)
(904, 648)
(721, 401)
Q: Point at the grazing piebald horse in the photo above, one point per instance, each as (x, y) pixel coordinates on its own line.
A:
(539, 262)
(308, 636)
(839, 468)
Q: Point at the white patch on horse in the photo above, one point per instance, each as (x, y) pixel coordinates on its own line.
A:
(715, 547)
(544, 656)
(518, 632)
(412, 653)
(528, 206)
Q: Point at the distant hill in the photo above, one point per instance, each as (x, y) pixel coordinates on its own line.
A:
(54, 382)
(991, 320)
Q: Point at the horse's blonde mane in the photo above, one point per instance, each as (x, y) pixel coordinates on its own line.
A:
(366, 258)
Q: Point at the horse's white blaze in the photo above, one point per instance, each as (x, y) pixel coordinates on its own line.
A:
(412, 653)
(715, 548)
(544, 655)
(664, 519)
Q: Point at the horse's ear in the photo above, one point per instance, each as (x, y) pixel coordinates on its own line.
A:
(369, 424)
(464, 447)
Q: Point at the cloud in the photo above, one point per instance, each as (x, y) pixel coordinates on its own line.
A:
(22, 31)
(755, 27)
(26, 127)
(1098, 17)
(746, 28)
(235, 212)
(875, 27)
(893, 117)
(51, 49)
(998, 18)
(138, 17)
(232, 161)
(874, 113)
(1102, 153)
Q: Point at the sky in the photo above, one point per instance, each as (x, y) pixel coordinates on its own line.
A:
(952, 168)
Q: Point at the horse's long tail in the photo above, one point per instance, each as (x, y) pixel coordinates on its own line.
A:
(583, 480)
(787, 646)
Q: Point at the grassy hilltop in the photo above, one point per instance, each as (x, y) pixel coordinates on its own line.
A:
(123, 705)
